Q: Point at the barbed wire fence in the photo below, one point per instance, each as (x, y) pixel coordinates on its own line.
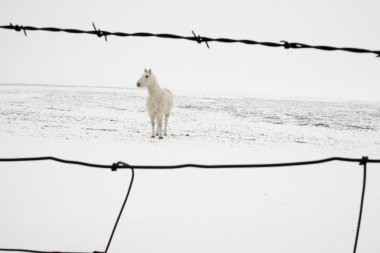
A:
(197, 38)
(122, 166)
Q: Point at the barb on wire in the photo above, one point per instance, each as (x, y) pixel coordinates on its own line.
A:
(99, 32)
(18, 28)
(200, 39)
(197, 38)
(288, 45)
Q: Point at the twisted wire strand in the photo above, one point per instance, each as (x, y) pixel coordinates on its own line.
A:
(122, 165)
(121, 210)
(41, 251)
(195, 37)
(361, 206)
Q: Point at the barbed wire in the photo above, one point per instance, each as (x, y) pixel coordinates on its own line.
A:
(122, 165)
(197, 38)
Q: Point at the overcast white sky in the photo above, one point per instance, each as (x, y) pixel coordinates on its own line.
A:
(58, 58)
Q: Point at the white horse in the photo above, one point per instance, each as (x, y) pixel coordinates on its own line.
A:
(159, 102)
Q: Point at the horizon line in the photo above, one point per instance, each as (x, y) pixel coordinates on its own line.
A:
(199, 92)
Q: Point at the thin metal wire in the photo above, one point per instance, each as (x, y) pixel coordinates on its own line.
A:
(121, 165)
(41, 251)
(197, 38)
(121, 210)
(364, 163)
(109, 240)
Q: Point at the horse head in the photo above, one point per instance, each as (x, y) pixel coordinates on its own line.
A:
(147, 79)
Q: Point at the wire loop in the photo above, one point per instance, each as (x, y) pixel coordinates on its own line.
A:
(364, 160)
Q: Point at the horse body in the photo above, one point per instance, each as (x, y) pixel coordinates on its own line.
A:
(159, 102)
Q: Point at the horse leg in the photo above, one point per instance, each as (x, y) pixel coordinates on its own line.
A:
(157, 133)
(166, 124)
(160, 121)
(157, 128)
(151, 115)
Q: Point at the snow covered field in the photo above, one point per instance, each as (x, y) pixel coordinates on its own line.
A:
(119, 115)
(50, 206)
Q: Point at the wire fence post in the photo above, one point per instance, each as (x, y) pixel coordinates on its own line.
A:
(364, 163)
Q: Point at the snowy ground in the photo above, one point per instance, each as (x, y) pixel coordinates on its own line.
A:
(119, 115)
(50, 206)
